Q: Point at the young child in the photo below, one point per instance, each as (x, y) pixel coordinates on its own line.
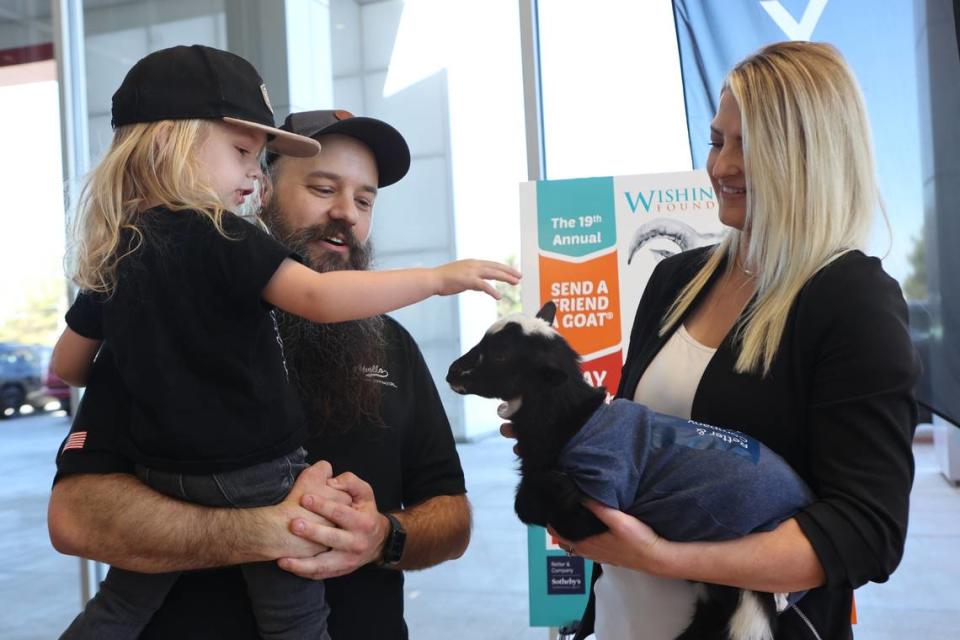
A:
(181, 290)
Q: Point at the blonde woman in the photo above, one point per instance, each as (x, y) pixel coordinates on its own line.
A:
(182, 290)
(788, 332)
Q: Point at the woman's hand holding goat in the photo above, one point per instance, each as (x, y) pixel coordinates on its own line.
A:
(778, 561)
(629, 543)
(506, 430)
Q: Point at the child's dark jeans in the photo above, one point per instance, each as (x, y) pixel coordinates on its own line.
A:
(286, 606)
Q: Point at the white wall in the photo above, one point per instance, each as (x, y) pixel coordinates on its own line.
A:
(447, 75)
(413, 223)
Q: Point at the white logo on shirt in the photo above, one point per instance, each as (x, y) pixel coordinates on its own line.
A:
(376, 373)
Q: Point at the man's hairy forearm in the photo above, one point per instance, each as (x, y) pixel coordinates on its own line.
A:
(438, 529)
(116, 519)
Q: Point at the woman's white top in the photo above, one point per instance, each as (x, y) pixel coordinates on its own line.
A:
(631, 605)
(670, 382)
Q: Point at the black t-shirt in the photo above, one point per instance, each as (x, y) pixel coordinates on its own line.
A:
(410, 459)
(196, 345)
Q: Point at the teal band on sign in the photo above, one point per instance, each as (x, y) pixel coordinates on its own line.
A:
(576, 217)
(558, 595)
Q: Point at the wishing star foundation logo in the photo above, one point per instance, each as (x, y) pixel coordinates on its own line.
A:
(671, 200)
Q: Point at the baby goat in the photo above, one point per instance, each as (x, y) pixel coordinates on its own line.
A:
(687, 480)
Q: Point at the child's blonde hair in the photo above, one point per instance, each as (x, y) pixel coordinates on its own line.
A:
(811, 193)
(148, 165)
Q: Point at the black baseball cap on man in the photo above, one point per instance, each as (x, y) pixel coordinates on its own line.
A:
(198, 82)
(389, 148)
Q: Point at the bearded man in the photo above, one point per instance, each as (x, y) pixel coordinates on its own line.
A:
(396, 499)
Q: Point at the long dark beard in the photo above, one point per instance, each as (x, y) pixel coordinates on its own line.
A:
(325, 360)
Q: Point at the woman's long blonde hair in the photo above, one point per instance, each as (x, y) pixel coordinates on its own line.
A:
(811, 191)
(148, 165)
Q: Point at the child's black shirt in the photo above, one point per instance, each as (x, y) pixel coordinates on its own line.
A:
(196, 345)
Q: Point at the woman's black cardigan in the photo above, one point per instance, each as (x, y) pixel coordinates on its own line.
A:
(837, 405)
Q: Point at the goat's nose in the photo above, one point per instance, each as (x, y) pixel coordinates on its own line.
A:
(457, 370)
(452, 372)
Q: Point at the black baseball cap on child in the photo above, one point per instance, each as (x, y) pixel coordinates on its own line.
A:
(389, 148)
(198, 82)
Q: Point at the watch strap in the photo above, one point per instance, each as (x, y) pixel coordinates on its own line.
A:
(394, 544)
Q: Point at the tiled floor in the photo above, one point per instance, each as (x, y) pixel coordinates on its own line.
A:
(39, 588)
(483, 595)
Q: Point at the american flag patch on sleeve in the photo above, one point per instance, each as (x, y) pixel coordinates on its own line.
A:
(75, 441)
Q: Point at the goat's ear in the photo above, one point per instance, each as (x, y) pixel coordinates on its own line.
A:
(548, 312)
(552, 376)
(550, 370)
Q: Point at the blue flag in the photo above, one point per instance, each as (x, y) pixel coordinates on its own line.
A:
(713, 35)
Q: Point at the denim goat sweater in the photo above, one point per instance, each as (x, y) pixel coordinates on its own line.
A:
(688, 481)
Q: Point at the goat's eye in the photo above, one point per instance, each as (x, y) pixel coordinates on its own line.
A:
(499, 356)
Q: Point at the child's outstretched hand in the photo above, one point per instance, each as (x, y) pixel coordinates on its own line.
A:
(462, 275)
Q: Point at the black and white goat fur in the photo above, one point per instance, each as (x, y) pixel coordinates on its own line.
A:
(525, 362)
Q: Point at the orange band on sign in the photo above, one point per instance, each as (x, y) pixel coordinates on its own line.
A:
(587, 295)
(604, 371)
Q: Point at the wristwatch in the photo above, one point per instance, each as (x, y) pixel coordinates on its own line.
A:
(395, 542)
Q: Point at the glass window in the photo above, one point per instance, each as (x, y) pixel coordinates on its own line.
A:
(32, 303)
(32, 242)
(612, 92)
(118, 33)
